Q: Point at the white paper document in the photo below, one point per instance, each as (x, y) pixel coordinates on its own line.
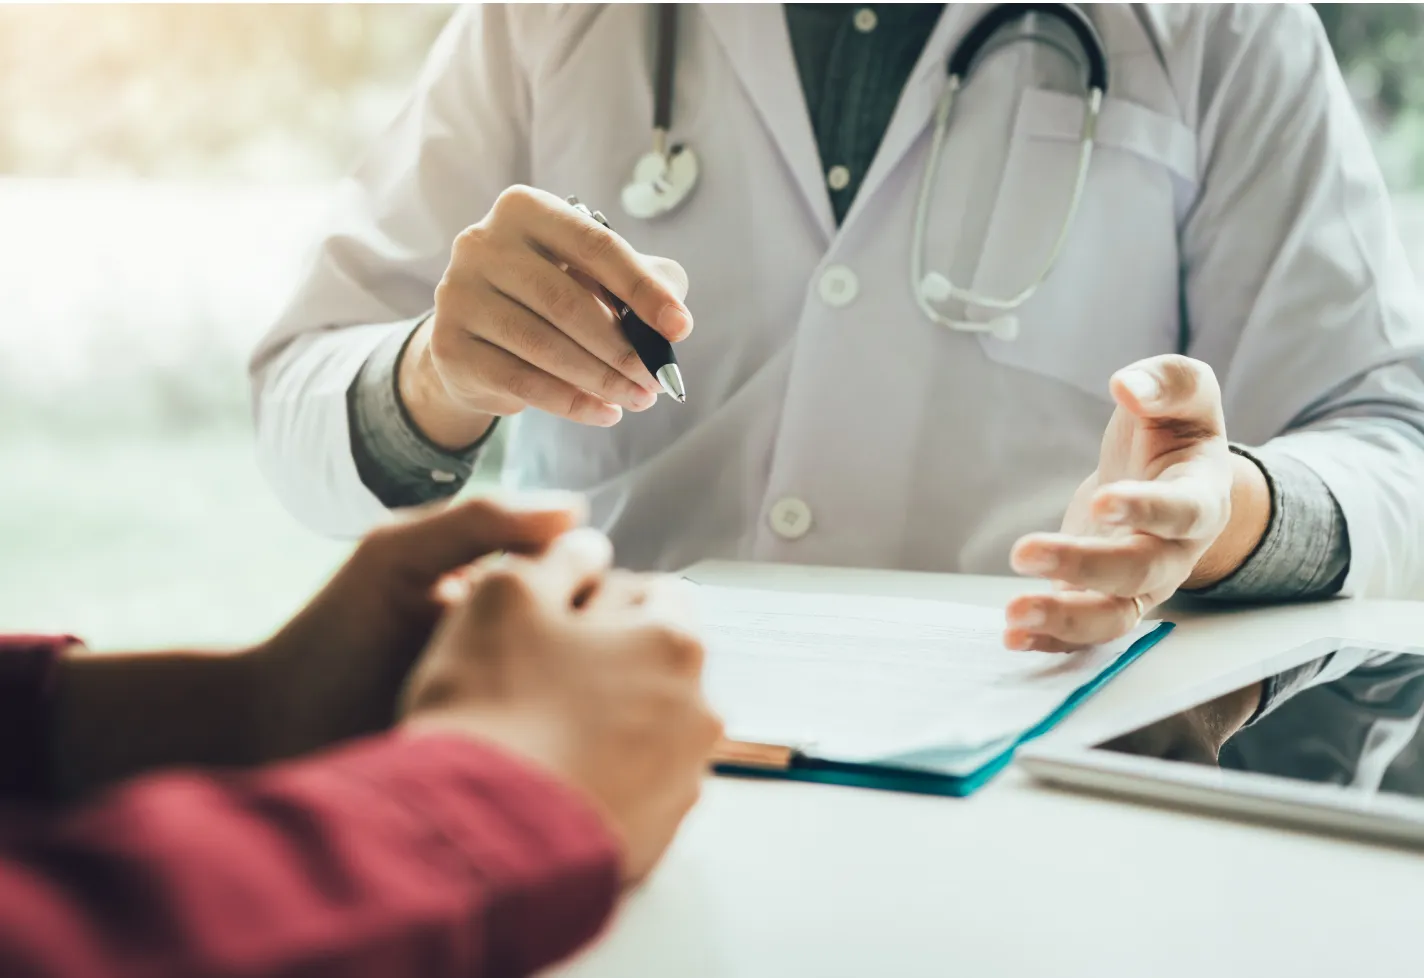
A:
(859, 678)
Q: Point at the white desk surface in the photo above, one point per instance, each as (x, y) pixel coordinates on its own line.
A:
(788, 880)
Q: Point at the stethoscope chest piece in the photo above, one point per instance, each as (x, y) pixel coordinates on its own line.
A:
(661, 182)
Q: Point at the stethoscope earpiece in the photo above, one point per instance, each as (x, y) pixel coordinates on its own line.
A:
(936, 288)
(1005, 328)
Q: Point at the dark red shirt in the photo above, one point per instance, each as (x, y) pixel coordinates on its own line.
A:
(395, 856)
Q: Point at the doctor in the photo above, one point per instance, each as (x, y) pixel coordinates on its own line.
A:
(1218, 377)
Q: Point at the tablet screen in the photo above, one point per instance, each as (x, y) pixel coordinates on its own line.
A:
(1351, 718)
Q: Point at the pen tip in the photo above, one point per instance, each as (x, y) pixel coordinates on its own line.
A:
(671, 380)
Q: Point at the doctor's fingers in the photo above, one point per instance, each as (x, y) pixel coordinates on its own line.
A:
(570, 302)
(1067, 620)
(1174, 509)
(1133, 564)
(579, 241)
(495, 381)
(512, 327)
(1179, 394)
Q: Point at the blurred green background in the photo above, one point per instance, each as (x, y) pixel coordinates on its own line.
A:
(161, 171)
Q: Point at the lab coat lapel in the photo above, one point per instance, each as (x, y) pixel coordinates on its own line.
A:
(914, 112)
(758, 45)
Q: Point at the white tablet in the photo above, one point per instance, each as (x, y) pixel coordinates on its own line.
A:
(1339, 749)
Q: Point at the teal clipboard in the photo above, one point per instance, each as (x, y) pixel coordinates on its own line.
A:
(925, 782)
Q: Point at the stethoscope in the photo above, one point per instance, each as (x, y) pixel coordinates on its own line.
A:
(664, 178)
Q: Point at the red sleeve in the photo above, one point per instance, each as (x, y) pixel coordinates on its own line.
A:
(29, 665)
(394, 857)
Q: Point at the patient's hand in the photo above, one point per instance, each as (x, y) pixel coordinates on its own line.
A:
(336, 670)
(591, 674)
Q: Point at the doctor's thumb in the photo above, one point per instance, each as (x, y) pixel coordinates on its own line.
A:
(672, 274)
(1172, 387)
(676, 321)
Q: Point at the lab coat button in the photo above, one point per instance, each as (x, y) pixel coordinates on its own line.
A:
(838, 286)
(790, 518)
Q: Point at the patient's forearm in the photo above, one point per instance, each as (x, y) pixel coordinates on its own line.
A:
(120, 714)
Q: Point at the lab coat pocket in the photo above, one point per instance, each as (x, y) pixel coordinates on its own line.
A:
(1112, 297)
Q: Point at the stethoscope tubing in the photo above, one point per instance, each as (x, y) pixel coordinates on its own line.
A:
(660, 197)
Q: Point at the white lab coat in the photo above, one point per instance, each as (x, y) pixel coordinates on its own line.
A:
(1233, 212)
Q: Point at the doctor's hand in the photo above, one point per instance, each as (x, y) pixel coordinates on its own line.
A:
(521, 321)
(1168, 507)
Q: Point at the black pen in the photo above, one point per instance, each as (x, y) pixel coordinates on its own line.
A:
(651, 346)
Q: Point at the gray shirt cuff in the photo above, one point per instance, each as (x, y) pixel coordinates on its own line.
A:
(1305, 551)
(395, 460)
